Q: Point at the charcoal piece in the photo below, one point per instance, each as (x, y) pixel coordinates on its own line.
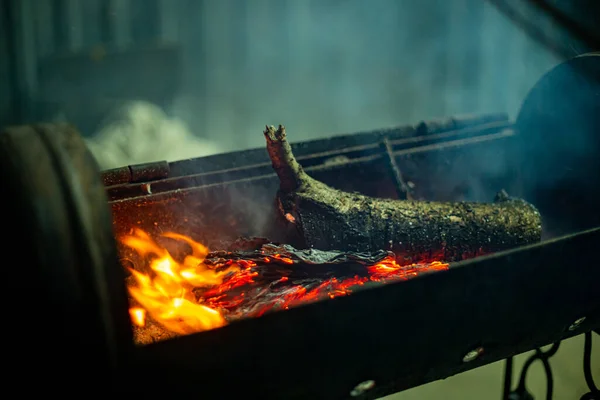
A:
(326, 218)
(277, 277)
(274, 261)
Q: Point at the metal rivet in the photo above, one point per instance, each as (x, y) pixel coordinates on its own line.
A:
(576, 324)
(473, 354)
(362, 387)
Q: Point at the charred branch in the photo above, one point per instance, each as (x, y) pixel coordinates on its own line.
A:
(326, 218)
(275, 277)
(274, 261)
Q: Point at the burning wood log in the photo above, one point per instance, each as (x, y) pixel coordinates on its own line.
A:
(326, 218)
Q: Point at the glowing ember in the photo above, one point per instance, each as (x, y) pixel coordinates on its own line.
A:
(192, 294)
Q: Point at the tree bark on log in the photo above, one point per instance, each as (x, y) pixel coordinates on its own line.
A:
(329, 219)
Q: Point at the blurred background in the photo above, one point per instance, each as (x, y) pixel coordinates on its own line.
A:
(148, 80)
(219, 70)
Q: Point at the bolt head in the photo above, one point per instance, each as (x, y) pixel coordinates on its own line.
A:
(362, 387)
(473, 355)
(576, 324)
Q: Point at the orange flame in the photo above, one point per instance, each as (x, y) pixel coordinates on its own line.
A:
(138, 316)
(165, 292)
(167, 295)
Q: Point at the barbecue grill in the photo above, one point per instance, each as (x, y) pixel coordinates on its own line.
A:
(382, 338)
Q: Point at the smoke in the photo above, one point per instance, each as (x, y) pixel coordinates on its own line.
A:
(340, 66)
(326, 67)
(140, 132)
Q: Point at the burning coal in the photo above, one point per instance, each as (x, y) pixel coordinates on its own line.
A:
(195, 290)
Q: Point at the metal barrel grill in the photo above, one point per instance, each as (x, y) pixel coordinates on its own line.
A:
(69, 302)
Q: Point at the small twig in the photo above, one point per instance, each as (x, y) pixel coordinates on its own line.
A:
(291, 174)
(402, 188)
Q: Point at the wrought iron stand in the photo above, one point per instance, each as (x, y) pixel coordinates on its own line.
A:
(521, 393)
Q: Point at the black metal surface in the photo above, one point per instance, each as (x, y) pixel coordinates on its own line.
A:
(146, 172)
(557, 145)
(357, 148)
(399, 335)
(424, 132)
(64, 289)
